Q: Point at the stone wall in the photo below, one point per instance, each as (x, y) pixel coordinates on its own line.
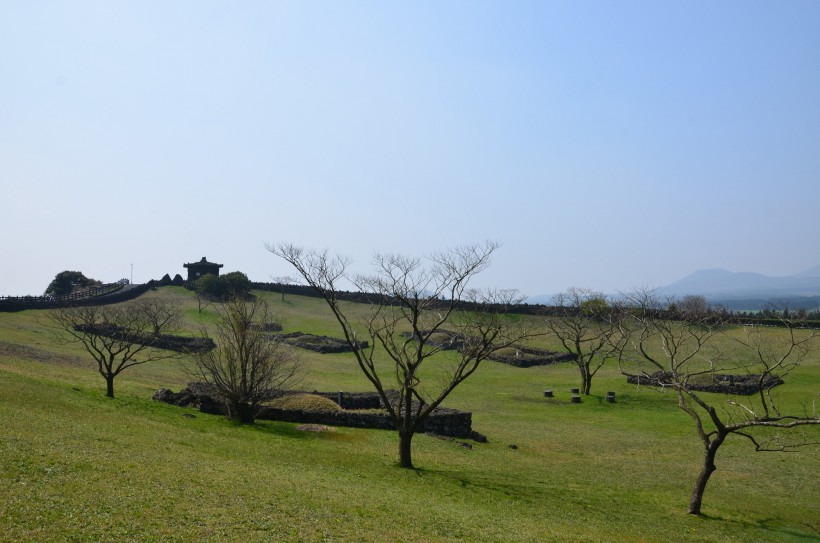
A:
(532, 357)
(319, 344)
(453, 341)
(742, 385)
(366, 297)
(179, 344)
(442, 421)
(353, 400)
(21, 303)
(267, 327)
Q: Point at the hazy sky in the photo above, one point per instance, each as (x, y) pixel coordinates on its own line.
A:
(606, 144)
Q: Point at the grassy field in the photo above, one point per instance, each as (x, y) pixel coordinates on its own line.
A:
(77, 466)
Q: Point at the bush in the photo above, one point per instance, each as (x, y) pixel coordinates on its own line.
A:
(230, 285)
(66, 282)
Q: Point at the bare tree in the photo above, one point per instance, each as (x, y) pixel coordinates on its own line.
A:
(413, 301)
(583, 321)
(118, 337)
(678, 351)
(285, 280)
(692, 304)
(248, 365)
(162, 315)
(202, 288)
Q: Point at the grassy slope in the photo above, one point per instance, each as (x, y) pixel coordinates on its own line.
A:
(76, 466)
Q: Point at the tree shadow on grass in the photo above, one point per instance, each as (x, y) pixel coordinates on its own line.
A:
(281, 429)
(291, 430)
(280, 301)
(773, 526)
(528, 493)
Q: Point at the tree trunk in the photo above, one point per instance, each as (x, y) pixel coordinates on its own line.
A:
(405, 451)
(241, 412)
(586, 381)
(109, 386)
(708, 468)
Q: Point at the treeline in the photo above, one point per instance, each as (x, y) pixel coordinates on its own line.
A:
(767, 317)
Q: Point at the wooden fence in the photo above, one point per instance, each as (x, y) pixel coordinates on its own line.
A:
(99, 294)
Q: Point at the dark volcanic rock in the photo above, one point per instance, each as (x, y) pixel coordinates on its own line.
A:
(442, 421)
(742, 385)
(527, 357)
(319, 344)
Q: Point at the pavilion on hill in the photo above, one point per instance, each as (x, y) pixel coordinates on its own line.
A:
(203, 267)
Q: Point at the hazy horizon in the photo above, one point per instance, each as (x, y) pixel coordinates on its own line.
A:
(605, 145)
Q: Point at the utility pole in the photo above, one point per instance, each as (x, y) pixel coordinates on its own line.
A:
(132, 274)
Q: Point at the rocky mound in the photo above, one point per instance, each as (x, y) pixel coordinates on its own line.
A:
(319, 344)
(741, 385)
(526, 357)
(442, 421)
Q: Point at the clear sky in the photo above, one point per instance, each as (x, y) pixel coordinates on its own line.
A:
(607, 145)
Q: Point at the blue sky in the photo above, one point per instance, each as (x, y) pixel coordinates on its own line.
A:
(607, 145)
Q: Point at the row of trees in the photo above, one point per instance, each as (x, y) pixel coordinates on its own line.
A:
(676, 346)
(669, 342)
(409, 295)
(246, 365)
(423, 297)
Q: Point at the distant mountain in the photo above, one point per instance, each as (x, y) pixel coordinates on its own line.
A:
(811, 272)
(723, 284)
(731, 289)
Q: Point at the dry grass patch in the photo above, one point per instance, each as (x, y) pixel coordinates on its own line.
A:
(304, 402)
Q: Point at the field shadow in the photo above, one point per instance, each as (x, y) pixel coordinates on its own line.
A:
(771, 525)
(281, 429)
(528, 493)
(291, 430)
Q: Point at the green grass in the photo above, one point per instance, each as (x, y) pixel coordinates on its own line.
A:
(77, 466)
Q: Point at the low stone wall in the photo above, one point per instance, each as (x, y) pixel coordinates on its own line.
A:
(741, 385)
(370, 298)
(321, 344)
(353, 400)
(532, 357)
(446, 422)
(179, 344)
(22, 303)
(442, 421)
(267, 327)
(454, 341)
(197, 395)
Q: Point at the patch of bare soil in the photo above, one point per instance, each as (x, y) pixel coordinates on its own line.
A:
(27, 352)
(315, 428)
